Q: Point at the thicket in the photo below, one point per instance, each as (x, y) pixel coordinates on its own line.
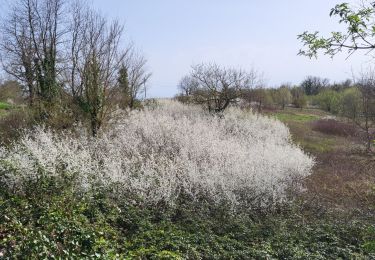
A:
(161, 154)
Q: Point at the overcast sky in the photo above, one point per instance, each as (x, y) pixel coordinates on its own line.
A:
(174, 34)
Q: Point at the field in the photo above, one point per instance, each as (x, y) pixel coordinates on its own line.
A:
(344, 176)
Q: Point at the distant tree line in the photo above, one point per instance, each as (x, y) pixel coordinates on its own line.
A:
(218, 87)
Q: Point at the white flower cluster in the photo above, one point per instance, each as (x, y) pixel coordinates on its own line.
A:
(163, 152)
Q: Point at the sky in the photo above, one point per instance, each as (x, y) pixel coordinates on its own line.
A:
(246, 34)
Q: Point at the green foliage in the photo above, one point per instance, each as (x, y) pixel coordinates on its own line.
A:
(298, 97)
(56, 227)
(273, 237)
(351, 103)
(358, 34)
(329, 100)
(5, 106)
(123, 81)
(283, 97)
(50, 221)
(316, 146)
(268, 99)
(369, 244)
(264, 98)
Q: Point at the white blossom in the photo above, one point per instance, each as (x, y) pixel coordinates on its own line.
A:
(159, 153)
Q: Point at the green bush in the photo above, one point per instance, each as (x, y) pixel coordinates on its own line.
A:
(57, 227)
(329, 100)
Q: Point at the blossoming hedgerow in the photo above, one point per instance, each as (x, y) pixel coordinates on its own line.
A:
(159, 153)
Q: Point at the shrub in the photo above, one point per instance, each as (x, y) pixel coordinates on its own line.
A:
(21, 118)
(334, 127)
(329, 100)
(61, 227)
(11, 91)
(283, 96)
(299, 99)
(12, 123)
(162, 153)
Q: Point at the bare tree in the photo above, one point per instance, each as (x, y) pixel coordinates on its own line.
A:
(217, 87)
(17, 50)
(313, 85)
(45, 22)
(76, 27)
(259, 96)
(78, 55)
(359, 105)
(29, 46)
(188, 85)
(95, 60)
(134, 66)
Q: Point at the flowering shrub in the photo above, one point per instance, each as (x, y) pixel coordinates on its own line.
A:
(172, 149)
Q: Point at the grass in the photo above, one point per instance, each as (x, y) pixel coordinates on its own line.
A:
(5, 106)
(286, 117)
(298, 115)
(343, 177)
(300, 125)
(317, 146)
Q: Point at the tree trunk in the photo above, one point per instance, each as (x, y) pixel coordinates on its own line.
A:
(226, 104)
(131, 103)
(368, 137)
(368, 145)
(95, 125)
